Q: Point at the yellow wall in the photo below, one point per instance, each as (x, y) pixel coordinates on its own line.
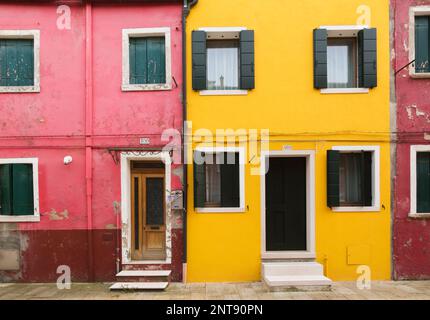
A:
(226, 246)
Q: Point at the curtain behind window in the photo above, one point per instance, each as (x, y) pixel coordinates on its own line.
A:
(223, 65)
(350, 178)
(341, 63)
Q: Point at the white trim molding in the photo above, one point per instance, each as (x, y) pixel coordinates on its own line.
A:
(413, 181)
(376, 193)
(310, 205)
(241, 151)
(345, 90)
(25, 34)
(36, 216)
(413, 12)
(145, 33)
(223, 92)
(126, 158)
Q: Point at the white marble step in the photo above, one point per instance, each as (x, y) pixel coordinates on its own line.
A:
(292, 268)
(297, 281)
(144, 273)
(139, 286)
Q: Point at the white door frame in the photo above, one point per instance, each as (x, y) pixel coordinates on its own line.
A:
(310, 205)
(126, 158)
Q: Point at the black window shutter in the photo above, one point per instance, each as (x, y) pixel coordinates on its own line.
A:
(199, 183)
(423, 182)
(367, 58)
(247, 74)
(422, 44)
(6, 189)
(320, 58)
(367, 178)
(199, 60)
(230, 193)
(333, 161)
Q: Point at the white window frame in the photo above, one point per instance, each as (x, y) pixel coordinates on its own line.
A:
(376, 193)
(413, 181)
(25, 34)
(36, 216)
(344, 32)
(413, 12)
(223, 33)
(241, 151)
(145, 33)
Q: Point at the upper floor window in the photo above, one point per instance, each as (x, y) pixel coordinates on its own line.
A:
(146, 59)
(419, 41)
(19, 61)
(420, 181)
(345, 59)
(223, 60)
(18, 190)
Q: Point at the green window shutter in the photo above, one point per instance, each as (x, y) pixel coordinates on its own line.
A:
(423, 182)
(247, 73)
(23, 202)
(367, 178)
(230, 189)
(5, 189)
(199, 183)
(333, 162)
(16, 62)
(367, 58)
(199, 60)
(147, 60)
(422, 44)
(320, 58)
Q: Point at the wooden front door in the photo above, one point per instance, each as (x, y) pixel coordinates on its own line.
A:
(286, 204)
(148, 215)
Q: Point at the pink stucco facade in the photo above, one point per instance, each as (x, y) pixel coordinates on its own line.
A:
(81, 111)
(411, 236)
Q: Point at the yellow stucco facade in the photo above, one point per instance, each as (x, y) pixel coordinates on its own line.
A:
(227, 246)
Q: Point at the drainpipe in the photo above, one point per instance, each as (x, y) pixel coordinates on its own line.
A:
(185, 12)
(88, 133)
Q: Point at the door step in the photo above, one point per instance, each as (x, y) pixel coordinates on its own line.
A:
(139, 286)
(302, 276)
(144, 273)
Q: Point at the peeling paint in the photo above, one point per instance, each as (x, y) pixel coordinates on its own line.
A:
(54, 215)
(117, 207)
(413, 110)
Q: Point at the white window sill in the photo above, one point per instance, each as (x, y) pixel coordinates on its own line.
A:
(19, 218)
(19, 89)
(356, 209)
(417, 215)
(146, 87)
(345, 91)
(223, 92)
(288, 255)
(423, 75)
(220, 210)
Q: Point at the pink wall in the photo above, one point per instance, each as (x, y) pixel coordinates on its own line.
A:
(411, 244)
(51, 124)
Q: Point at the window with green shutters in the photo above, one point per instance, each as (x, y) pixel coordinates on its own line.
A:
(422, 44)
(217, 180)
(16, 189)
(16, 62)
(423, 182)
(147, 59)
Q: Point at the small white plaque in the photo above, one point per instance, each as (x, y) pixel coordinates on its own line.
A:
(145, 141)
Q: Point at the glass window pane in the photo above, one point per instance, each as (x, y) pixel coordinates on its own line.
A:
(423, 182)
(350, 175)
(341, 63)
(213, 179)
(223, 65)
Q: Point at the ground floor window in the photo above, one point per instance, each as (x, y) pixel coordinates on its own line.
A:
(18, 188)
(353, 178)
(218, 180)
(420, 180)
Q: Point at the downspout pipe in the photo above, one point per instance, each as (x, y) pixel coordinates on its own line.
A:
(88, 134)
(185, 12)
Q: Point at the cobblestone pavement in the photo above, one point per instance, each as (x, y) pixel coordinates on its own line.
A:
(220, 291)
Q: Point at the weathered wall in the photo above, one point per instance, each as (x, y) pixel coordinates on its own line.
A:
(227, 246)
(411, 238)
(51, 124)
